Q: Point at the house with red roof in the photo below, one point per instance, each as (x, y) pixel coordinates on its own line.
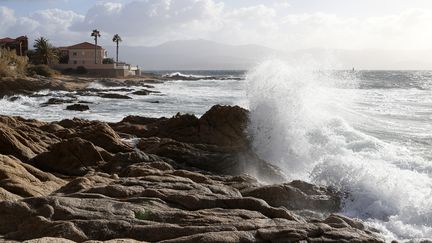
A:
(83, 54)
(19, 44)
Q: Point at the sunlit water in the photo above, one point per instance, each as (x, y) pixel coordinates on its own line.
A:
(368, 133)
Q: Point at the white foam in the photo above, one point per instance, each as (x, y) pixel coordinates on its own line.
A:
(179, 74)
(303, 122)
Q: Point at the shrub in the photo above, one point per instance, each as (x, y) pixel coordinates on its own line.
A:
(68, 71)
(42, 70)
(81, 70)
(11, 64)
(144, 215)
(108, 61)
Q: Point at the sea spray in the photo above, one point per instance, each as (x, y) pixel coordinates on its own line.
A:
(304, 120)
(288, 105)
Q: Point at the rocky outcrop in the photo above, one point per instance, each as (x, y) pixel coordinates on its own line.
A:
(77, 107)
(221, 126)
(215, 142)
(184, 181)
(19, 179)
(23, 138)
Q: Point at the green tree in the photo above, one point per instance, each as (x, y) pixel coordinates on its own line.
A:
(45, 52)
(117, 39)
(95, 33)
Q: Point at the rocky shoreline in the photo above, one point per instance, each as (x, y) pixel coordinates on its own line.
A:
(10, 86)
(182, 179)
(179, 179)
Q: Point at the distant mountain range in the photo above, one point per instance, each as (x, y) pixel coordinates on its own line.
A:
(194, 55)
(209, 55)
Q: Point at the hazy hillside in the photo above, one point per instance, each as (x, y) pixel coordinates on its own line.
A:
(194, 54)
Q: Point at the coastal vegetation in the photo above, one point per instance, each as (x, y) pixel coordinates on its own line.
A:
(45, 52)
(11, 64)
(42, 70)
(117, 39)
(36, 62)
(96, 34)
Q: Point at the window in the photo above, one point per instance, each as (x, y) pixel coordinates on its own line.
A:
(74, 54)
(75, 62)
(83, 53)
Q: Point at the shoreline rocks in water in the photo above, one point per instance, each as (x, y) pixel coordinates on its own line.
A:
(188, 179)
(77, 107)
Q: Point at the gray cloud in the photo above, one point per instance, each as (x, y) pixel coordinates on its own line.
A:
(149, 22)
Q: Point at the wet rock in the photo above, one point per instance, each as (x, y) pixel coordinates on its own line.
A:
(141, 92)
(77, 107)
(13, 98)
(114, 96)
(56, 101)
(84, 102)
(144, 92)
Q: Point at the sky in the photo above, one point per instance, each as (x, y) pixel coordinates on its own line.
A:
(281, 24)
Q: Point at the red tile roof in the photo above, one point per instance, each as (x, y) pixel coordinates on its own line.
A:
(7, 40)
(84, 45)
(10, 40)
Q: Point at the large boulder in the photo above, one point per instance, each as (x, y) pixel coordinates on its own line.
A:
(224, 126)
(99, 133)
(102, 135)
(18, 179)
(73, 156)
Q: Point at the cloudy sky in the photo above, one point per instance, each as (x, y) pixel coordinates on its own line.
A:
(281, 24)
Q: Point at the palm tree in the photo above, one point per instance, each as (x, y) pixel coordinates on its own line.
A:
(95, 34)
(45, 51)
(117, 39)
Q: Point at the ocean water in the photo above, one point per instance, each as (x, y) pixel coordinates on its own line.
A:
(368, 133)
(194, 97)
